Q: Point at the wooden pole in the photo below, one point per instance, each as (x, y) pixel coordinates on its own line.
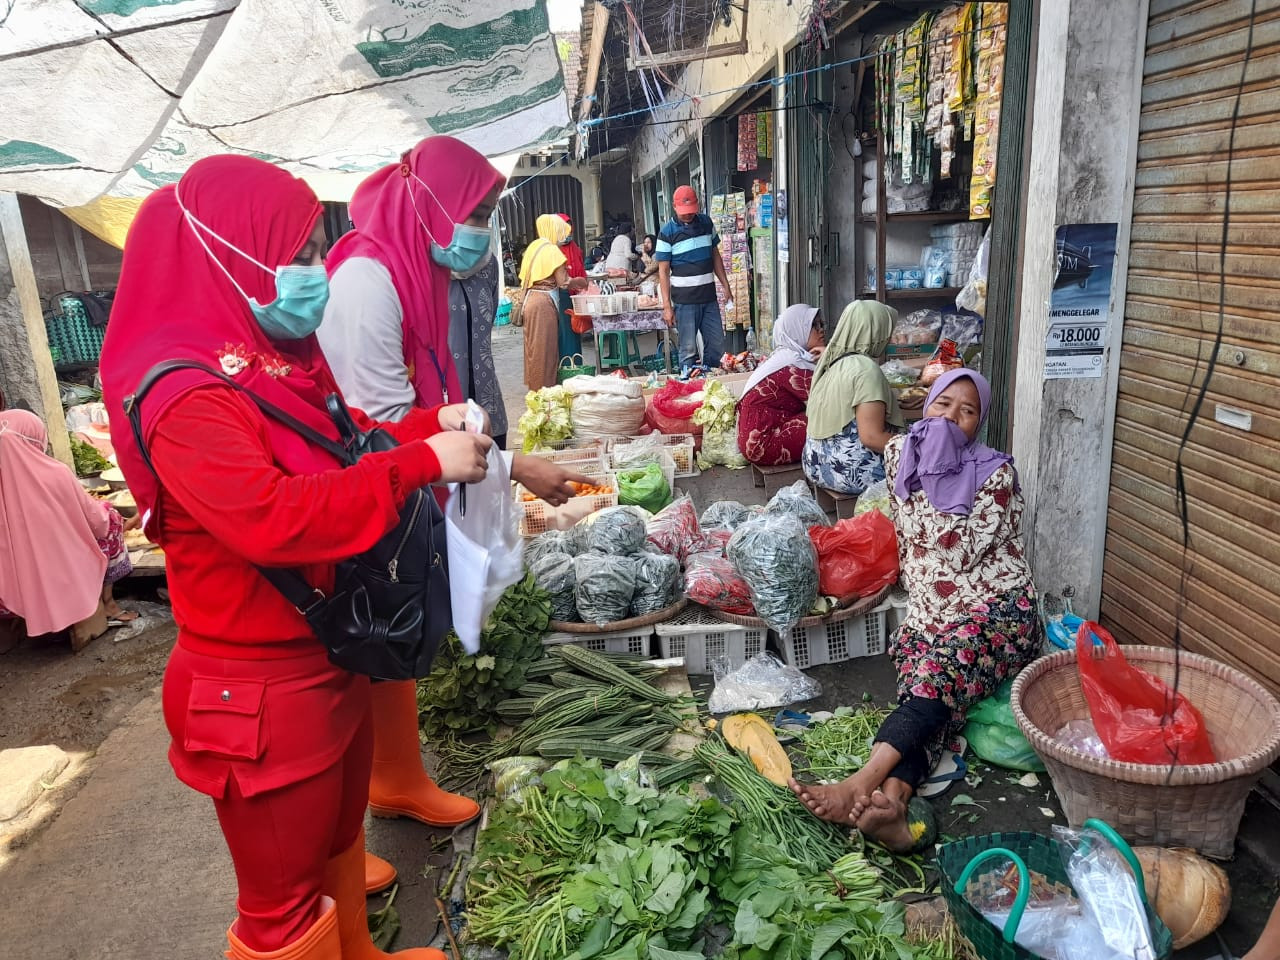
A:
(25, 361)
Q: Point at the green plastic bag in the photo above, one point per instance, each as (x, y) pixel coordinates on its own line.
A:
(994, 736)
(644, 487)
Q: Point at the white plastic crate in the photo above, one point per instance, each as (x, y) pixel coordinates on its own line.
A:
(538, 516)
(595, 304)
(633, 642)
(835, 640)
(590, 458)
(699, 638)
(681, 446)
(662, 458)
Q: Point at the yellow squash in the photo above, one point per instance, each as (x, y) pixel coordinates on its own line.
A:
(751, 735)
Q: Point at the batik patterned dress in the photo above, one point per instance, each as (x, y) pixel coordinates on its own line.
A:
(972, 619)
(771, 418)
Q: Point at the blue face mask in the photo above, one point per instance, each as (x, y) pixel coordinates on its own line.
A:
(296, 312)
(302, 290)
(468, 249)
(470, 245)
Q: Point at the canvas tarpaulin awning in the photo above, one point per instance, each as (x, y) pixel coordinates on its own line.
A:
(119, 97)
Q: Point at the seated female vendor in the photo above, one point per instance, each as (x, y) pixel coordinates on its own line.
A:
(971, 617)
(852, 410)
(771, 420)
(60, 549)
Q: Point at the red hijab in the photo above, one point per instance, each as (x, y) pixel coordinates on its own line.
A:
(174, 302)
(396, 219)
(576, 266)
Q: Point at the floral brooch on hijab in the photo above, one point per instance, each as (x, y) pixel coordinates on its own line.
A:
(235, 360)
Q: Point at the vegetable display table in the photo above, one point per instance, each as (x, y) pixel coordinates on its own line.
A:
(639, 321)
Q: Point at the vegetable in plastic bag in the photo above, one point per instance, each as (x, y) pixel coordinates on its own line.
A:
(617, 530)
(718, 411)
(644, 486)
(675, 530)
(899, 374)
(672, 406)
(774, 555)
(552, 541)
(513, 774)
(994, 736)
(875, 497)
(724, 515)
(657, 583)
(721, 447)
(798, 501)
(554, 573)
(711, 580)
(917, 328)
(605, 586)
(858, 557)
(546, 418)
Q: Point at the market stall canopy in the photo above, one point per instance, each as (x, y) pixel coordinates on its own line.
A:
(118, 97)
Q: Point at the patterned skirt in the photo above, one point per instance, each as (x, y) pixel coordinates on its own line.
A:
(841, 463)
(967, 660)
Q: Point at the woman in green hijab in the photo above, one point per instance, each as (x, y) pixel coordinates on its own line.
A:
(852, 411)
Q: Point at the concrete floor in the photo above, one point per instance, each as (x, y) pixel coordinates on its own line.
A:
(129, 863)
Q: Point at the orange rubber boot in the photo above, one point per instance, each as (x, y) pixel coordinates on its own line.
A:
(320, 942)
(378, 874)
(399, 786)
(344, 881)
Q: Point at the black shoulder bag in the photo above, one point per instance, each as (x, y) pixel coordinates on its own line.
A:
(390, 605)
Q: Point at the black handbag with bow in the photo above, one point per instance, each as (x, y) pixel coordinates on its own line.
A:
(390, 606)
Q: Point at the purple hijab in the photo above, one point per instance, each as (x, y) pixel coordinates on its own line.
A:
(938, 458)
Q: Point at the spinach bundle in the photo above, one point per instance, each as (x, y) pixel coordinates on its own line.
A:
(657, 583)
(798, 501)
(774, 555)
(605, 586)
(618, 530)
(554, 574)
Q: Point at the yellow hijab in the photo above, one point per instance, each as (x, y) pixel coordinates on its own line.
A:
(550, 227)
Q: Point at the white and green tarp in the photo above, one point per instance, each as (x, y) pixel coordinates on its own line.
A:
(118, 97)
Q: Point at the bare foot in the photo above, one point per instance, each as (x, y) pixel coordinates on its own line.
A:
(836, 803)
(885, 822)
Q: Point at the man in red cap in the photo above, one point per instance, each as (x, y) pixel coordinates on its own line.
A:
(689, 263)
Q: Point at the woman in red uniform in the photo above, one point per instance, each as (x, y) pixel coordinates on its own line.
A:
(226, 269)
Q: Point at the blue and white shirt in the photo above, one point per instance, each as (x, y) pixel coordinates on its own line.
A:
(688, 247)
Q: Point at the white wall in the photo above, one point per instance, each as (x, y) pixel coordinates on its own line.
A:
(1088, 86)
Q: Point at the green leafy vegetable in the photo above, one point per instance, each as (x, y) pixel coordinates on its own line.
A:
(89, 462)
(546, 418)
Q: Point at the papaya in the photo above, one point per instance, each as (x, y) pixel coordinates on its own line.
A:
(751, 735)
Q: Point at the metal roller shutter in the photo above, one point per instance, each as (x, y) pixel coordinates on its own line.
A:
(1195, 51)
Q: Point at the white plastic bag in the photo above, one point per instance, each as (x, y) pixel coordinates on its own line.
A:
(485, 555)
(1108, 890)
(763, 682)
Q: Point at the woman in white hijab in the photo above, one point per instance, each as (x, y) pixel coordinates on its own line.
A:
(771, 414)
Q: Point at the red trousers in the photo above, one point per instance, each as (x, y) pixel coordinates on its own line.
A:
(281, 840)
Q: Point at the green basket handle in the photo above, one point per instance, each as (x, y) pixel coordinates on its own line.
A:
(1126, 851)
(1024, 886)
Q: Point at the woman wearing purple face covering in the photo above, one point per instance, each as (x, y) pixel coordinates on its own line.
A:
(972, 620)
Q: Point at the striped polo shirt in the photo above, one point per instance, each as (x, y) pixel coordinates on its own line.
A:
(687, 247)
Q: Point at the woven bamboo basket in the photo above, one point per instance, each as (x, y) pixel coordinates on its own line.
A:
(1196, 806)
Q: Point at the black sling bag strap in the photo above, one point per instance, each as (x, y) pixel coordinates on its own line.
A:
(390, 605)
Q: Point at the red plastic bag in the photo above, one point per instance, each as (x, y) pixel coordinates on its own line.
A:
(674, 530)
(712, 581)
(1138, 718)
(858, 557)
(671, 407)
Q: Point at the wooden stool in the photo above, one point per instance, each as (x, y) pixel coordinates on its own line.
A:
(774, 479)
(841, 504)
